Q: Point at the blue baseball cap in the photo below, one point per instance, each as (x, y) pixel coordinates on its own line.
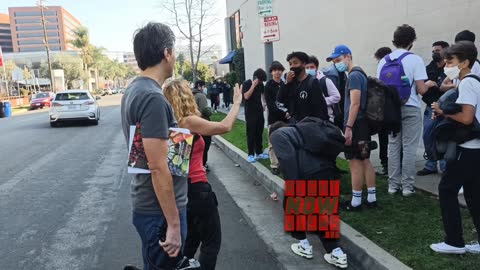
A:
(338, 51)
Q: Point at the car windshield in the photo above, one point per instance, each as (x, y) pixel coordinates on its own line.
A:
(41, 95)
(72, 96)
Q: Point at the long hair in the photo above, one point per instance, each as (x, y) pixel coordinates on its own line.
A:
(180, 96)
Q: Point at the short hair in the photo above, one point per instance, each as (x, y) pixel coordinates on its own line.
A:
(277, 125)
(441, 43)
(150, 42)
(465, 35)
(314, 60)
(463, 50)
(299, 55)
(199, 83)
(382, 52)
(404, 36)
(260, 74)
(276, 66)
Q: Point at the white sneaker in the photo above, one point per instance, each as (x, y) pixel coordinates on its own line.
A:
(408, 192)
(473, 248)
(446, 249)
(460, 192)
(301, 251)
(337, 258)
(392, 191)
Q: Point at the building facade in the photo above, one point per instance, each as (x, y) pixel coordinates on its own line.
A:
(316, 26)
(129, 59)
(5, 34)
(27, 29)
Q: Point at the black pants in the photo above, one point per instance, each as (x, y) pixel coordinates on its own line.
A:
(255, 125)
(383, 142)
(458, 173)
(214, 101)
(203, 225)
(208, 142)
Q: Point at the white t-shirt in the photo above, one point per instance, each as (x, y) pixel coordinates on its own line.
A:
(414, 68)
(469, 93)
(475, 70)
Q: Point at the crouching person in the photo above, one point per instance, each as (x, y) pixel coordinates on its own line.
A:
(297, 163)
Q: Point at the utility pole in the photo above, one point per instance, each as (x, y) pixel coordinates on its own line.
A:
(41, 4)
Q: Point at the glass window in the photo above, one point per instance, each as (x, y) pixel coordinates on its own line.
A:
(34, 13)
(26, 28)
(32, 49)
(5, 31)
(27, 42)
(42, 95)
(72, 96)
(39, 34)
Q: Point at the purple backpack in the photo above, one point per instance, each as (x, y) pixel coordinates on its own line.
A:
(392, 74)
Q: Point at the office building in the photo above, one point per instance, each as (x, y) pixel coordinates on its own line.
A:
(27, 29)
(5, 34)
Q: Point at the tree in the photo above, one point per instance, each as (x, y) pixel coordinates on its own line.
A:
(72, 68)
(27, 75)
(204, 73)
(10, 66)
(181, 63)
(193, 19)
(81, 41)
(239, 65)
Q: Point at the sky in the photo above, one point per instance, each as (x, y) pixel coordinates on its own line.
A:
(112, 22)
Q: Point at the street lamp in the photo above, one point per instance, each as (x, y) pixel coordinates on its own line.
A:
(41, 4)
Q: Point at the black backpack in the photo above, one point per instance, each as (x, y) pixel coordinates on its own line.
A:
(383, 107)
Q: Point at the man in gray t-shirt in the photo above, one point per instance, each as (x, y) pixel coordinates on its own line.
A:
(159, 200)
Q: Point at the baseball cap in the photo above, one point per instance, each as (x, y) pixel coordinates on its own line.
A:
(339, 50)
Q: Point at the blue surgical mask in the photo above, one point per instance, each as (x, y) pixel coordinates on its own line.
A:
(312, 72)
(341, 66)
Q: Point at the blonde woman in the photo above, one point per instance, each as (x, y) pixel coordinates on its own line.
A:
(202, 213)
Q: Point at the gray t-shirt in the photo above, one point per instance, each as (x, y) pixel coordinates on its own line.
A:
(144, 103)
(356, 80)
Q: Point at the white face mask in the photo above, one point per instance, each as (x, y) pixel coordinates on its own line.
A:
(452, 72)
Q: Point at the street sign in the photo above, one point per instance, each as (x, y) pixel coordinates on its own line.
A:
(265, 7)
(270, 29)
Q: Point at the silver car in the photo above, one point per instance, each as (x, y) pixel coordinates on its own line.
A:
(74, 105)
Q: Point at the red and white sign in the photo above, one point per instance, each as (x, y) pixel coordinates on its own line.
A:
(270, 29)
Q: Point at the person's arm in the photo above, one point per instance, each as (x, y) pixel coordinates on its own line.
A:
(465, 117)
(209, 128)
(155, 130)
(422, 88)
(333, 93)
(467, 97)
(249, 92)
(447, 84)
(318, 105)
(420, 75)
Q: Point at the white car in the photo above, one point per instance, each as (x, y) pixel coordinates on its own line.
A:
(74, 105)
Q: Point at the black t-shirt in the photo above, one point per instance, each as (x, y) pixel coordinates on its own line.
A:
(303, 100)
(271, 92)
(254, 103)
(437, 75)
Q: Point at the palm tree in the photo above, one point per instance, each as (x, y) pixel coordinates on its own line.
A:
(81, 41)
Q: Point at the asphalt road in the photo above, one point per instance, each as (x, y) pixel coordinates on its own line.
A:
(65, 203)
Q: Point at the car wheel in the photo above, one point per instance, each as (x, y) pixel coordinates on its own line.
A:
(53, 124)
(94, 122)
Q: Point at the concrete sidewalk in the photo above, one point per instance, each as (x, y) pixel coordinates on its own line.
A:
(427, 183)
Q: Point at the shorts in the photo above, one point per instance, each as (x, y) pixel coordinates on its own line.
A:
(360, 134)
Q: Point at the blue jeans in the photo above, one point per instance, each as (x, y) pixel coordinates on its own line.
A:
(428, 125)
(148, 226)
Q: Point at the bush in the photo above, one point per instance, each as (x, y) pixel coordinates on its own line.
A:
(24, 92)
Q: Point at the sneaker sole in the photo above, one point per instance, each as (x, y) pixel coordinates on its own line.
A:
(458, 252)
(472, 251)
(342, 266)
(302, 255)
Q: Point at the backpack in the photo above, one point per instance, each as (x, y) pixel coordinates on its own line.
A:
(383, 107)
(393, 74)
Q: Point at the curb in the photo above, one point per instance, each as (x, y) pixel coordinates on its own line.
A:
(360, 249)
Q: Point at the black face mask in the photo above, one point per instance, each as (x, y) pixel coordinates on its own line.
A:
(410, 47)
(437, 57)
(297, 70)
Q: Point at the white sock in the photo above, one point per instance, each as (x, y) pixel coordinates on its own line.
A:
(305, 243)
(356, 198)
(372, 195)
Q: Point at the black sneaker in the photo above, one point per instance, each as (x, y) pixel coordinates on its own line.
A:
(207, 169)
(347, 206)
(424, 172)
(371, 205)
(275, 171)
(186, 263)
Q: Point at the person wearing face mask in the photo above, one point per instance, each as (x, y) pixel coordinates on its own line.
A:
(329, 90)
(407, 73)
(302, 93)
(253, 93)
(199, 92)
(435, 78)
(356, 129)
(461, 171)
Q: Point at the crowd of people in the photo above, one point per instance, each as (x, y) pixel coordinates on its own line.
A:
(305, 106)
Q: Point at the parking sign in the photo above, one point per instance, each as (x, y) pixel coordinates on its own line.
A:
(270, 29)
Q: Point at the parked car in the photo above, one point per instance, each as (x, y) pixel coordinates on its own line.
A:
(41, 100)
(114, 91)
(74, 105)
(121, 91)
